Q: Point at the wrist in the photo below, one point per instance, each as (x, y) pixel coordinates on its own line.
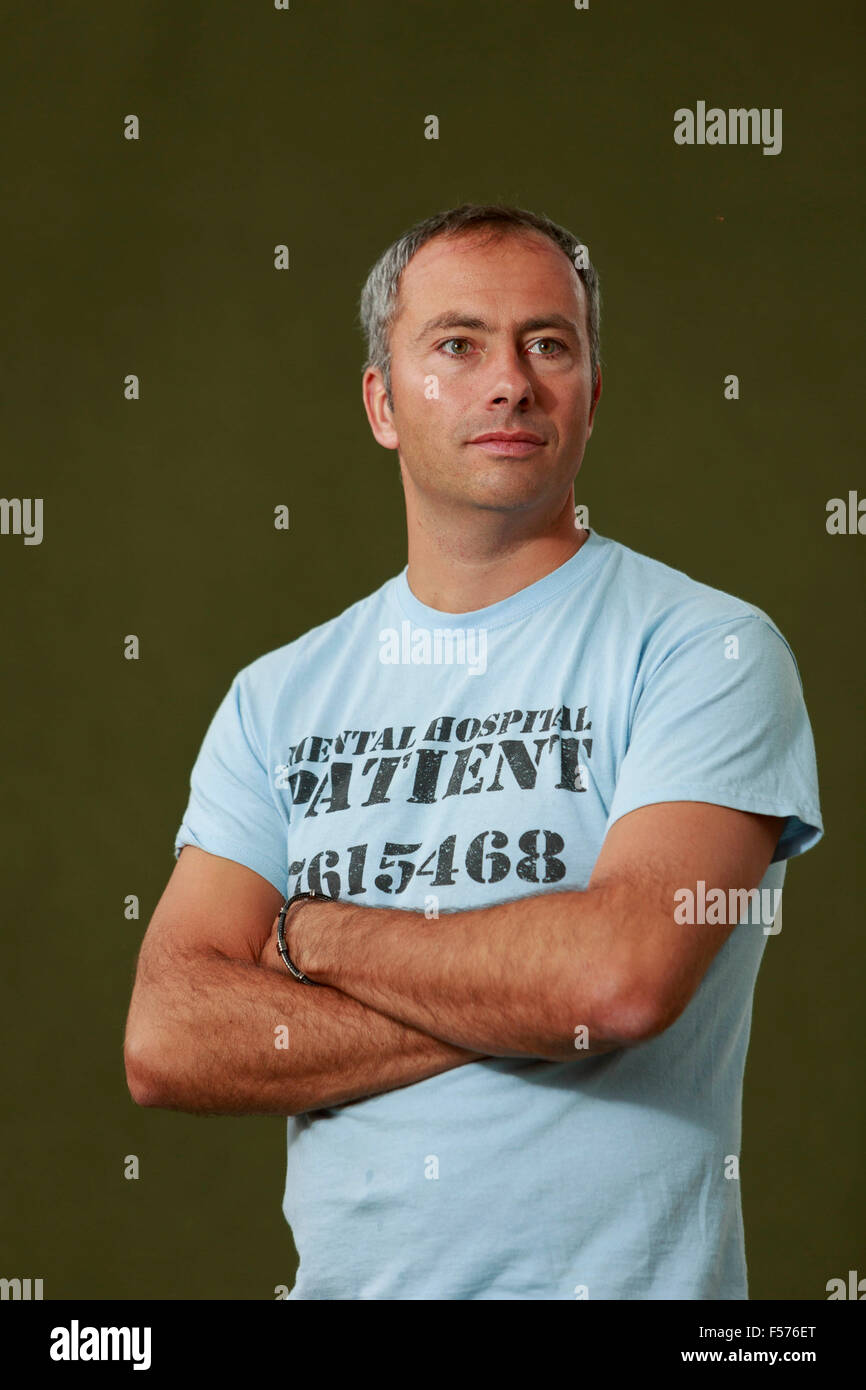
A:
(311, 937)
(287, 945)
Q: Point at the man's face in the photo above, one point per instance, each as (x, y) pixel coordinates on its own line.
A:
(489, 337)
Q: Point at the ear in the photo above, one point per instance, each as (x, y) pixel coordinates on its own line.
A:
(595, 398)
(378, 411)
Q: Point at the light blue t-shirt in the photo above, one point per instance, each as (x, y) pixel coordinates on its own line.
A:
(404, 757)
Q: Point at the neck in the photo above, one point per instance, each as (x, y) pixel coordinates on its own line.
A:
(461, 566)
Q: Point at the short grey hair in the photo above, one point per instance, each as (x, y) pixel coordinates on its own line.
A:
(380, 295)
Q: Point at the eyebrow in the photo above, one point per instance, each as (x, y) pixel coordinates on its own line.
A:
(456, 319)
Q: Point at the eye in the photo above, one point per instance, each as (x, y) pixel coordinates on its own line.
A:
(554, 341)
(558, 346)
(454, 340)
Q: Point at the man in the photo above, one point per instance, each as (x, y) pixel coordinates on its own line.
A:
(537, 775)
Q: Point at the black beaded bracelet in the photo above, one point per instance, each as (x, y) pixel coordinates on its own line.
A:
(281, 938)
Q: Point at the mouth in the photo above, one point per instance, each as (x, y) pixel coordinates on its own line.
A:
(510, 445)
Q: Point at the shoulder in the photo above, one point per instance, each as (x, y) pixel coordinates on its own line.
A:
(666, 608)
(306, 658)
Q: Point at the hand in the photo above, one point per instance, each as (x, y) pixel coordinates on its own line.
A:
(269, 956)
(310, 934)
(306, 937)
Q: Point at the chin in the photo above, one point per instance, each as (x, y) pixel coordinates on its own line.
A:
(505, 499)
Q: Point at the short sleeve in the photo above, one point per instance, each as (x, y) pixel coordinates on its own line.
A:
(722, 718)
(231, 809)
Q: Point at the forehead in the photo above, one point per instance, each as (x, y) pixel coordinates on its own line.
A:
(520, 272)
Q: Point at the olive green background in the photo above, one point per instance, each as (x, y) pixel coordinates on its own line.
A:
(155, 257)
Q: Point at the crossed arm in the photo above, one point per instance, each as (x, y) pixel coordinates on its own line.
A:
(525, 975)
(401, 1005)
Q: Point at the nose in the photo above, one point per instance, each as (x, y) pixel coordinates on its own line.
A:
(509, 381)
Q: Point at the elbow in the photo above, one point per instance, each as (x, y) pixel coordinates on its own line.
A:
(640, 1014)
(626, 1017)
(145, 1082)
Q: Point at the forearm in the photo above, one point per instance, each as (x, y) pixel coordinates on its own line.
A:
(537, 977)
(218, 1036)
